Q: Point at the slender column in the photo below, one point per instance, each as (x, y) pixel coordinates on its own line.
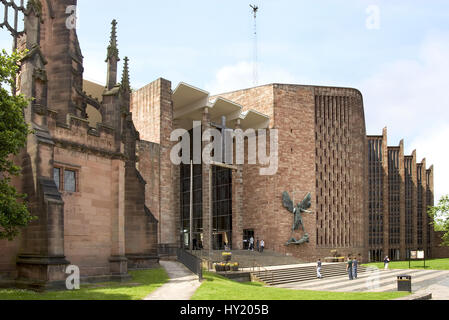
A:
(207, 190)
(191, 207)
(414, 202)
(385, 190)
(429, 195)
(402, 200)
(237, 202)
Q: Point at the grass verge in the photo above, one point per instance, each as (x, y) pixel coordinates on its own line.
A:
(216, 287)
(433, 264)
(142, 283)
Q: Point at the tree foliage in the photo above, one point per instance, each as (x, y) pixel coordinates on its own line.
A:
(13, 134)
(440, 215)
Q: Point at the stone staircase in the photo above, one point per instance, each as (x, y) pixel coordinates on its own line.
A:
(251, 259)
(304, 273)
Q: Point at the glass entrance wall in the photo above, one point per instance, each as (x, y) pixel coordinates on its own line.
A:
(197, 206)
(222, 208)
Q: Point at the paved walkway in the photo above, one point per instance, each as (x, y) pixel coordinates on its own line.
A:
(440, 290)
(434, 281)
(181, 286)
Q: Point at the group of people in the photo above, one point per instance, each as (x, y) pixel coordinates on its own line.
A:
(351, 267)
(260, 245)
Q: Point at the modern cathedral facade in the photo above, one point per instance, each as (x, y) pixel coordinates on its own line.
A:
(100, 175)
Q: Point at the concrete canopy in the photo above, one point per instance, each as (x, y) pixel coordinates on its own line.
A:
(189, 103)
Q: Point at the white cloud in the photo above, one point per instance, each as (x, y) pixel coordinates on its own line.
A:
(409, 95)
(95, 67)
(240, 76)
(433, 145)
(411, 98)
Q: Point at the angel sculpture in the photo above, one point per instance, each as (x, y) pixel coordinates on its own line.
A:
(297, 211)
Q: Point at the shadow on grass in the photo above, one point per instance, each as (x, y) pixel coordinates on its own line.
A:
(142, 283)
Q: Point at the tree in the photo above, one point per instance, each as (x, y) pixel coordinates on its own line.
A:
(440, 215)
(14, 213)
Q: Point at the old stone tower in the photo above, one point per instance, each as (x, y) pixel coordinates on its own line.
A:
(81, 180)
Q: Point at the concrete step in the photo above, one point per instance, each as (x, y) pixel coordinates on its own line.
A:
(249, 259)
(303, 272)
(306, 270)
(299, 274)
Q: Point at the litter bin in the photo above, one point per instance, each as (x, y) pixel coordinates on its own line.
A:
(405, 283)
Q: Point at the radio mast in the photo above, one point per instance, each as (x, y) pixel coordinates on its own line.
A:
(255, 10)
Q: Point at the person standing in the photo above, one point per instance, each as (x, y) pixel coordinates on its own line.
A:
(349, 268)
(386, 262)
(262, 245)
(355, 265)
(318, 269)
(251, 244)
(258, 245)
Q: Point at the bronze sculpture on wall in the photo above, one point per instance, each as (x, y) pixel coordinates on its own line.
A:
(297, 211)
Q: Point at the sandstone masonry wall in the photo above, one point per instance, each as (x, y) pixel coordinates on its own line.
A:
(293, 111)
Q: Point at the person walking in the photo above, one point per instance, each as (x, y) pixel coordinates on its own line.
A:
(251, 244)
(355, 265)
(262, 245)
(386, 262)
(349, 268)
(318, 269)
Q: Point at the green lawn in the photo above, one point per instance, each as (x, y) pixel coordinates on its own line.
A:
(141, 284)
(434, 264)
(218, 288)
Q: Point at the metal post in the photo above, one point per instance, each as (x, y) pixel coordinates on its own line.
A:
(409, 258)
(191, 207)
(210, 210)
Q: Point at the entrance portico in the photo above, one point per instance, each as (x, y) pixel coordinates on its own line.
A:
(215, 208)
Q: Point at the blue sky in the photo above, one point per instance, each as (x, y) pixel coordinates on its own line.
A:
(400, 68)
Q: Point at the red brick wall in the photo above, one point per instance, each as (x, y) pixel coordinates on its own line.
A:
(292, 112)
(140, 229)
(149, 168)
(145, 107)
(152, 110)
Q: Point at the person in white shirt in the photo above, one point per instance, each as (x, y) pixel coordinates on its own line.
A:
(251, 244)
(318, 269)
(386, 262)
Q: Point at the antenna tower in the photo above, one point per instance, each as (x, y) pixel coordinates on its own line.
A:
(255, 10)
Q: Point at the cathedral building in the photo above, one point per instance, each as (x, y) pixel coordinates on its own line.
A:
(400, 191)
(99, 173)
(81, 178)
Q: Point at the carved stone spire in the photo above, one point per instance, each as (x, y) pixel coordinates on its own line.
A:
(112, 48)
(112, 58)
(125, 86)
